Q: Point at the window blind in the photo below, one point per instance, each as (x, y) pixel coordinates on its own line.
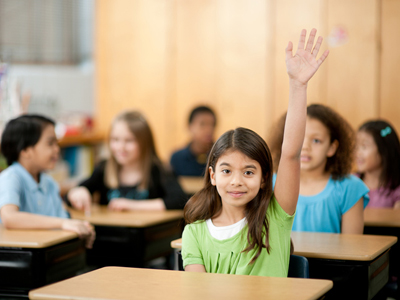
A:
(46, 31)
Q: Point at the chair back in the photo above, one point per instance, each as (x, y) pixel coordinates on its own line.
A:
(298, 267)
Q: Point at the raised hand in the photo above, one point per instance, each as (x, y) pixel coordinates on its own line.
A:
(303, 65)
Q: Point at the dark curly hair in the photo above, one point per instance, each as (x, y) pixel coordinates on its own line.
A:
(387, 142)
(340, 164)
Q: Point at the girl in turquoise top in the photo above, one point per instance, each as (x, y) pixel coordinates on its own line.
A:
(330, 200)
(236, 224)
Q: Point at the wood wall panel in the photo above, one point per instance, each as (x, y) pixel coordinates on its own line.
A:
(133, 51)
(165, 57)
(390, 63)
(221, 60)
(195, 61)
(243, 89)
(292, 17)
(353, 67)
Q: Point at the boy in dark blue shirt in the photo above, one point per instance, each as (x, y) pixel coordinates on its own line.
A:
(192, 160)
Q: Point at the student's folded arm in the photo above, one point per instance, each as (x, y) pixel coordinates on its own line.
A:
(353, 219)
(121, 204)
(12, 218)
(195, 268)
(149, 204)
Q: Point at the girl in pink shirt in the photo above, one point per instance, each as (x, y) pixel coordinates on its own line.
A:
(378, 162)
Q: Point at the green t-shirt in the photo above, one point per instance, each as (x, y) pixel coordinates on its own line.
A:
(226, 256)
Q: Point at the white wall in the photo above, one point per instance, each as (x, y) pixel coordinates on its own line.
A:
(70, 86)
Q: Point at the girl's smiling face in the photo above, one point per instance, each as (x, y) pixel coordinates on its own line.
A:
(367, 155)
(123, 144)
(317, 146)
(237, 178)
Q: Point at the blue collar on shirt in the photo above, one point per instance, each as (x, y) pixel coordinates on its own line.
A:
(29, 180)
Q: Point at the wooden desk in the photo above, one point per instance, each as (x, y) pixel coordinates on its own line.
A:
(130, 283)
(191, 184)
(382, 217)
(132, 238)
(334, 246)
(33, 258)
(356, 263)
(386, 221)
(351, 247)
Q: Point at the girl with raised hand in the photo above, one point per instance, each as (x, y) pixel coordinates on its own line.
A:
(237, 223)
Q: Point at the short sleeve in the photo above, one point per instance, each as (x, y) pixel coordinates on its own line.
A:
(396, 196)
(10, 190)
(166, 186)
(278, 215)
(353, 189)
(58, 203)
(191, 253)
(96, 180)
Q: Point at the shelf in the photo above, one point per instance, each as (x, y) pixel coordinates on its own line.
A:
(82, 139)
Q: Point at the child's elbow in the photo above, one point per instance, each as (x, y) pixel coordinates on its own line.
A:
(8, 220)
(293, 155)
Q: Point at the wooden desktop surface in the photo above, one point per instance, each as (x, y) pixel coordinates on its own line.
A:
(382, 217)
(334, 246)
(130, 283)
(33, 238)
(341, 246)
(191, 184)
(100, 215)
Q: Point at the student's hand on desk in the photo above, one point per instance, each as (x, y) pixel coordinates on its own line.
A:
(83, 228)
(80, 198)
(121, 204)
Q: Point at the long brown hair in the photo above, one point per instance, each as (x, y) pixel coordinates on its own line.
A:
(139, 127)
(387, 142)
(207, 204)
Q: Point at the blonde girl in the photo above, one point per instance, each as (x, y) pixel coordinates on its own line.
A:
(133, 178)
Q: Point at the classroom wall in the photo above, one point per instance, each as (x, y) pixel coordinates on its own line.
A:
(164, 57)
(69, 88)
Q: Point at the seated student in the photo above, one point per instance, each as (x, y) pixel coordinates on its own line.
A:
(330, 200)
(133, 177)
(237, 224)
(378, 162)
(192, 160)
(29, 198)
